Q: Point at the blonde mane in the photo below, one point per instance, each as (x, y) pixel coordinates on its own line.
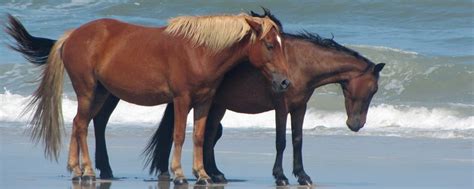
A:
(217, 32)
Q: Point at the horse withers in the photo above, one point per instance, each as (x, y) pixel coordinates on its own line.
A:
(183, 63)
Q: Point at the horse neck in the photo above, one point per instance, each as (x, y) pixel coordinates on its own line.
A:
(317, 66)
(230, 57)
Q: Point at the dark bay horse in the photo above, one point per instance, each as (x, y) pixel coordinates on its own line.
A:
(183, 63)
(313, 62)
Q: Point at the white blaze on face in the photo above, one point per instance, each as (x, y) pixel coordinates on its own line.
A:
(279, 41)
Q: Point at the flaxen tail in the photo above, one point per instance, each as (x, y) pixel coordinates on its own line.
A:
(47, 121)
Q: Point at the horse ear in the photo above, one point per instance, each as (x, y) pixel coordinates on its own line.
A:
(378, 67)
(266, 12)
(254, 14)
(255, 25)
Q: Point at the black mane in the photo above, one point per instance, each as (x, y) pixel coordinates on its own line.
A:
(326, 43)
(311, 37)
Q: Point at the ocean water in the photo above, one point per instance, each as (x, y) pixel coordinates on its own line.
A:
(425, 90)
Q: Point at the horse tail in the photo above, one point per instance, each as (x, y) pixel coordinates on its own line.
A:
(159, 146)
(34, 49)
(47, 120)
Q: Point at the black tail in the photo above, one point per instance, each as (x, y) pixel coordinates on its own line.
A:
(34, 49)
(158, 150)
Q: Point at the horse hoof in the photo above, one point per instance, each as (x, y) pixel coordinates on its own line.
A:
(282, 182)
(87, 178)
(106, 175)
(76, 179)
(180, 181)
(219, 179)
(305, 182)
(204, 181)
(164, 176)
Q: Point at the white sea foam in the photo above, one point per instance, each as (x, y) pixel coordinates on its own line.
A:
(11, 106)
(383, 119)
(384, 48)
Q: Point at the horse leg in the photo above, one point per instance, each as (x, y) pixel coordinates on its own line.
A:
(100, 123)
(201, 112)
(78, 145)
(80, 122)
(73, 157)
(280, 117)
(89, 100)
(159, 147)
(297, 118)
(182, 105)
(212, 134)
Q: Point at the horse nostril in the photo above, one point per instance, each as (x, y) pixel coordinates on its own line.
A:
(285, 84)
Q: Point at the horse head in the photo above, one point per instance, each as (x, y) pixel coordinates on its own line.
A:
(266, 52)
(358, 92)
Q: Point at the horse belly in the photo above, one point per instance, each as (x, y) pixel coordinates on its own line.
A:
(137, 86)
(143, 98)
(245, 90)
(247, 106)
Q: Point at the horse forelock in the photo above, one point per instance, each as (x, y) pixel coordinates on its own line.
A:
(217, 32)
(267, 25)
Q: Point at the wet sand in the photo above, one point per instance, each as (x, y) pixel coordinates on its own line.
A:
(246, 156)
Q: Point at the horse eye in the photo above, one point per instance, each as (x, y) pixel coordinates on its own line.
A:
(269, 46)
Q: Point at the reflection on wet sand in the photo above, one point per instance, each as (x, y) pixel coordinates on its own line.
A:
(107, 184)
(157, 184)
(92, 185)
(167, 185)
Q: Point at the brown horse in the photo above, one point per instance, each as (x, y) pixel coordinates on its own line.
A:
(183, 63)
(313, 62)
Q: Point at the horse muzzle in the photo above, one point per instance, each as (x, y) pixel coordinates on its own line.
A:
(355, 124)
(280, 83)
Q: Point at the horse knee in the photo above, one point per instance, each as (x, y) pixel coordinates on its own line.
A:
(198, 139)
(79, 127)
(178, 139)
(297, 139)
(281, 144)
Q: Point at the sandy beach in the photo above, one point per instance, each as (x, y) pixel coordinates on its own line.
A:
(246, 157)
(419, 131)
